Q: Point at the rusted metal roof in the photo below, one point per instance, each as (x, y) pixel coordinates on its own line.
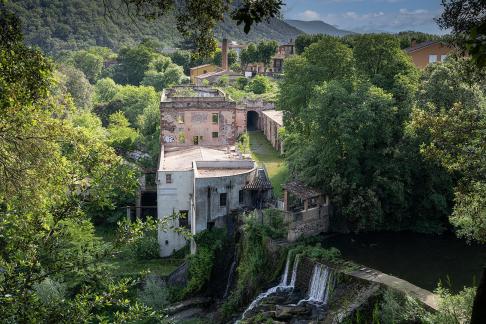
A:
(300, 190)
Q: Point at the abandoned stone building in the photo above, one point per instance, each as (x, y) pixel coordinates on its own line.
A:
(271, 123)
(201, 176)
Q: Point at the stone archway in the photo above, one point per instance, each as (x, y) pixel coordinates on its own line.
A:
(252, 120)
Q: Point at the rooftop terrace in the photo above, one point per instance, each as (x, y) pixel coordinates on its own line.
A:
(208, 160)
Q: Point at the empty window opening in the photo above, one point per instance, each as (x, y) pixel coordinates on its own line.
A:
(222, 199)
(184, 218)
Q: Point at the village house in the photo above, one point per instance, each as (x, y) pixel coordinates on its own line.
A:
(203, 69)
(428, 52)
(276, 65)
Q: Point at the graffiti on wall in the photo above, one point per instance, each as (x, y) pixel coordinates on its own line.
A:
(168, 139)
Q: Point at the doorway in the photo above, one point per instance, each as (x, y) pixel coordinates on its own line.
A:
(252, 120)
(195, 140)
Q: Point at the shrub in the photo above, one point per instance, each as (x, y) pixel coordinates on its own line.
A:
(145, 247)
(154, 293)
(453, 309)
(273, 223)
(259, 85)
(50, 292)
(201, 263)
(241, 83)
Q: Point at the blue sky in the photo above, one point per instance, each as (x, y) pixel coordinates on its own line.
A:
(369, 15)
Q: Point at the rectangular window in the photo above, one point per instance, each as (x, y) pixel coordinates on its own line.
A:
(222, 199)
(241, 196)
(215, 118)
(168, 178)
(184, 218)
(180, 118)
(432, 58)
(215, 134)
(443, 58)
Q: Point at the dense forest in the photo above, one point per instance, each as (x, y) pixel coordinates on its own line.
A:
(55, 26)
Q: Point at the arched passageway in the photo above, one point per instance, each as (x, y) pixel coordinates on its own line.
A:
(252, 120)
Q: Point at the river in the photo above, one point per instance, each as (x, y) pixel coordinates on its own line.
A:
(421, 259)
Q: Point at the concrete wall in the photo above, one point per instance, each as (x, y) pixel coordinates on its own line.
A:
(173, 197)
(207, 197)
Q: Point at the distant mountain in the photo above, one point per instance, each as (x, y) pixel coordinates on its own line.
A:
(58, 25)
(317, 27)
(275, 29)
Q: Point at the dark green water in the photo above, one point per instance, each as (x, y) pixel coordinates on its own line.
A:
(421, 259)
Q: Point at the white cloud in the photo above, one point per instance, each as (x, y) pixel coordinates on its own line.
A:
(309, 15)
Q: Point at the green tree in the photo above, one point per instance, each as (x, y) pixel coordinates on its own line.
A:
(162, 73)
(453, 124)
(259, 85)
(77, 85)
(133, 100)
(232, 57)
(304, 40)
(345, 135)
(54, 172)
(91, 64)
(266, 49)
(133, 62)
(249, 55)
(121, 136)
(105, 90)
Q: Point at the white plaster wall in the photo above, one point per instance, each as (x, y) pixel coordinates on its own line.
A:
(172, 198)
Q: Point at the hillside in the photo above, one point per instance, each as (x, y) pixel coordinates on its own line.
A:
(317, 27)
(276, 29)
(58, 25)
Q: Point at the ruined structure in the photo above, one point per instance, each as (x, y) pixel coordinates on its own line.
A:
(306, 210)
(201, 177)
(272, 122)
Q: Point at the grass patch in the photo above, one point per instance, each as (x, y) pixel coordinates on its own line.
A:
(127, 265)
(264, 153)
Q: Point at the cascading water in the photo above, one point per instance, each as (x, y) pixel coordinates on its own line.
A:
(230, 278)
(282, 286)
(320, 285)
(286, 272)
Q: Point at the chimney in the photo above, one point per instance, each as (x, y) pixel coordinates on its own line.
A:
(224, 54)
(413, 43)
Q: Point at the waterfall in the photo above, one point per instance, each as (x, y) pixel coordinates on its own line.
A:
(294, 271)
(286, 271)
(230, 278)
(320, 285)
(281, 286)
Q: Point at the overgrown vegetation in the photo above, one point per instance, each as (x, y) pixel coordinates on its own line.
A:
(396, 307)
(257, 265)
(208, 243)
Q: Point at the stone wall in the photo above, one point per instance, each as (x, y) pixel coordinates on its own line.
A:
(307, 223)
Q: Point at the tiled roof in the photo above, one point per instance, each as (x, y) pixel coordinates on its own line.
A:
(259, 182)
(300, 190)
(419, 46)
